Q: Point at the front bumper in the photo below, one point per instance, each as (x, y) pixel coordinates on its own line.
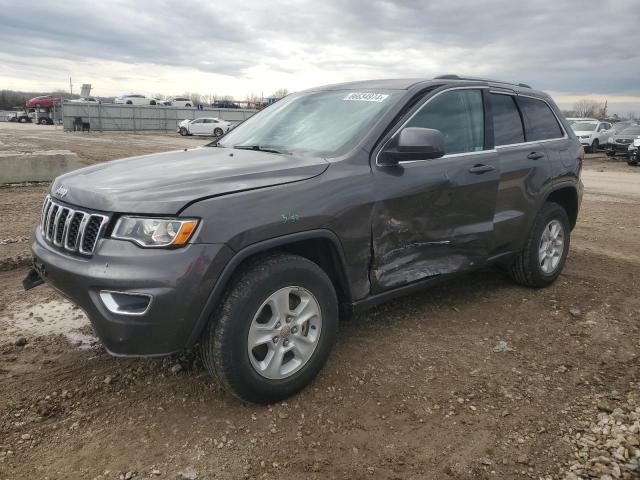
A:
(179, 282)
(618, 147)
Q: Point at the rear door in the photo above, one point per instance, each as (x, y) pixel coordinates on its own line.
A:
(435, 217)
(523, 128)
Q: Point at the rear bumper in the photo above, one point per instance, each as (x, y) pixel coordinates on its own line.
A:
(178, 283)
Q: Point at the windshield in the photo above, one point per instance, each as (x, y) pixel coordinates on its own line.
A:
(583, 126)
(631, 131)
(316, 123)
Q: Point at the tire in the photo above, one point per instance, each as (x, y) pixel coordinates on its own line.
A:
(183, 131)
(632, 163)
(43, 121)
(527, 268)
(187, 104)
(225, 343)
(152, 102)
(129, 102)
(611, 154)
(594, 146)
(217, 132)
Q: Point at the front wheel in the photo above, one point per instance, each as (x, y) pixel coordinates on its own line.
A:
(273, 330)
(218, 132)
(594, 146)
(545, 251)
(183, 131)
(43, 121)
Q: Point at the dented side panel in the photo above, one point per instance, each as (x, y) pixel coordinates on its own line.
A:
(437, 218)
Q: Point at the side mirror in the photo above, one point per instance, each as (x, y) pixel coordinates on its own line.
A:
(414, 143)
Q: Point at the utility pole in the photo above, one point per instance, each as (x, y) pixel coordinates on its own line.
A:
(70, 86)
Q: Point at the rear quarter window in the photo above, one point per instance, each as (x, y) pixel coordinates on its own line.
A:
(539, 121)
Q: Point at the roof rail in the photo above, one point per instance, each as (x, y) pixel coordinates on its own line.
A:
(458, 77)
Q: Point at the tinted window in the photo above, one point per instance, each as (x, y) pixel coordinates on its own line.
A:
(507, 124)
(539, 121)
(459, 115)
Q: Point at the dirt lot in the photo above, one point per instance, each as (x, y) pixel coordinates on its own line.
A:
(422, 387)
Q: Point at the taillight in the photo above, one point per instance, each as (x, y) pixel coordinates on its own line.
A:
(580, 158)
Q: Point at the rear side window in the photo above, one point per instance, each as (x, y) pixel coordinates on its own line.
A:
(459, 115)
(507, 124)
(539, 121)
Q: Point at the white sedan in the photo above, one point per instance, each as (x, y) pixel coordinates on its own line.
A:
(135, 99)
(204, 126)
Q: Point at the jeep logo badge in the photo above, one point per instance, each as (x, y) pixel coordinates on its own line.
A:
(61, 191)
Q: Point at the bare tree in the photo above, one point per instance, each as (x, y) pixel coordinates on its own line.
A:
(587, 108)
(281, 92)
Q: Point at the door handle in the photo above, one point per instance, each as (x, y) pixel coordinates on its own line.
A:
(535, 156)
(481, 168)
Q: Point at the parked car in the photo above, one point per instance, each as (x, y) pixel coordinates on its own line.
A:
(619, 143)
(224, 104)
(634, 152)
(43, 101)
(581, 119)
(135, 99)
(204, 126)
(330, 201)
(84, 100)
(592, 133)
(180, 102)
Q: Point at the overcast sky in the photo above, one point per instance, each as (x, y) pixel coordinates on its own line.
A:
(569, 48)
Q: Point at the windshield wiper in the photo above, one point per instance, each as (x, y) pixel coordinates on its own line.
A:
(260, 149)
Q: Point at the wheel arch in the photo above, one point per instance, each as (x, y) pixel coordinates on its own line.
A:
(567, 197)
(320, 246)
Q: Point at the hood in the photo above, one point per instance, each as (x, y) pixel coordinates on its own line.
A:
(164, 183)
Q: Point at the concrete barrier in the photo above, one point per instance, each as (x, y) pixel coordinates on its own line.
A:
(37, 166)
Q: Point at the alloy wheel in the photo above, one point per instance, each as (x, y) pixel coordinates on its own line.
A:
(551, 247)
(284, 332)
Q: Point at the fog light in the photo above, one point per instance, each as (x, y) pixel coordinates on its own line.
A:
(125, 303)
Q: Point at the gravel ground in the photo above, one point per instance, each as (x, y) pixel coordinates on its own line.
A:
(474, 379)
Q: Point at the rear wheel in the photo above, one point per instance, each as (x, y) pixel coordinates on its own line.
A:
(187, 104)
(218, 132)
(611, 153)
(43, 121)
(545, 252)
(273, 330)
(129, 102)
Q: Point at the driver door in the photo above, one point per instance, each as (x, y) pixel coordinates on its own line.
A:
(196, 127)
(435, 217)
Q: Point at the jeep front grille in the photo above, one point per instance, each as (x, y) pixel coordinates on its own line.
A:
(73, 230)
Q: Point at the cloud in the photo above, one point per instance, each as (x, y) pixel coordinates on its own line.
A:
(576, 47)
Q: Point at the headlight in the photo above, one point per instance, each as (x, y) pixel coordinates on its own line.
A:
(610, 140)
(585, 136)
(155, 232)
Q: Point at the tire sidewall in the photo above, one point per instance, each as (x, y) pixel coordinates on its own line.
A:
(217, 132)
(240, 316)
(551, 212)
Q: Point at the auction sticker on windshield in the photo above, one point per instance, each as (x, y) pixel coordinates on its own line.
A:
(366, 97)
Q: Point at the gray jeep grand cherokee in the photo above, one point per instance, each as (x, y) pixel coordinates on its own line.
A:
(329, 201)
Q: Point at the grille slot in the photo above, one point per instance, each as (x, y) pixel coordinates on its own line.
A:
(74, 230)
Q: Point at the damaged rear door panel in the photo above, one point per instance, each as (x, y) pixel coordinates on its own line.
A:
(435, 217)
